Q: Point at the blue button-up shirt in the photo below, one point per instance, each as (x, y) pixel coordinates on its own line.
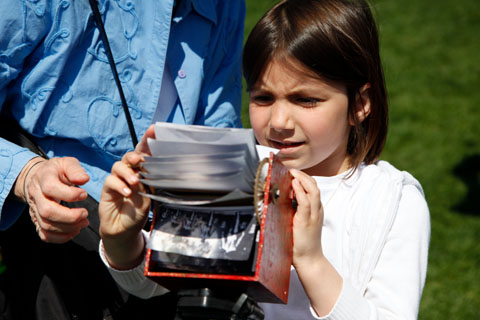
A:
(55, 79)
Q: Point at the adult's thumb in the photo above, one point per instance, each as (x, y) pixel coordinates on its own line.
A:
(74, 172)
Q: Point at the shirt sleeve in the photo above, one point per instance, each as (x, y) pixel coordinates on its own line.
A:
(134, 280)
(23, 25)
(350, 303)
(396, 286)
(12, 160)
(397, 283)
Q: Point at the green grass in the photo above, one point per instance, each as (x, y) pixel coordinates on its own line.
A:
(431, 57)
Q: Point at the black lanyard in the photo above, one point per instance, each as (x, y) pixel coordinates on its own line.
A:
(101, 28)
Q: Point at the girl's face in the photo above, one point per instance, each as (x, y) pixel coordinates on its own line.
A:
(305, 117)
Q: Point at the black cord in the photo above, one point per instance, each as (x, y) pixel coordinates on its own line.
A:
(101, 28)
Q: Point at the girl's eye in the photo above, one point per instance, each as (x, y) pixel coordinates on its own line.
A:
(262, 100)
(307, 101)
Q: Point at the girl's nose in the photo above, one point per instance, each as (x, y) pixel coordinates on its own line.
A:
(280, 118)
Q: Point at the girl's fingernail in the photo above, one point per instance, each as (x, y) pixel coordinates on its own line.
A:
(133, 179)
(127, 191)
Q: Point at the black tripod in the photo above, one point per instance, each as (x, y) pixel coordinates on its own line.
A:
(205, 303)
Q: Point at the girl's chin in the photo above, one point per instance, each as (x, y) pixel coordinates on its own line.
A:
(289, 162)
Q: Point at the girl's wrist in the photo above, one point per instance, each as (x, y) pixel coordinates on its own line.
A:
(124, 254)
(306, 262)
(321, 282)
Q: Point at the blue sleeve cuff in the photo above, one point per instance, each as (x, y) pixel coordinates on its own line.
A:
(12, 160)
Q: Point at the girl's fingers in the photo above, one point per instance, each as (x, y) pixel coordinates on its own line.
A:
(300, 193)
(308, 183)
(306, 193)
(113, 186)
(133, 158)
(125, 172)
(129, 170)
(142, 146)
(124, 181)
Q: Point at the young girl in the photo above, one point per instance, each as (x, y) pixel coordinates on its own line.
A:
(317, 94)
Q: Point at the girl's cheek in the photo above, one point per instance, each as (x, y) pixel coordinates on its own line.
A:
(259, 121)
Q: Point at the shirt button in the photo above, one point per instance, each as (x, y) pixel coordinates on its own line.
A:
(182, 74)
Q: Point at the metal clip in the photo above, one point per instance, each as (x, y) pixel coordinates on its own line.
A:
(274, 193)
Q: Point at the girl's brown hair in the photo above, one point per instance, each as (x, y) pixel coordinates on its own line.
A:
(336, 40)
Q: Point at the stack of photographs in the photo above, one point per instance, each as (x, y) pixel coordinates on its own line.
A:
(201, 180)
(198, 165)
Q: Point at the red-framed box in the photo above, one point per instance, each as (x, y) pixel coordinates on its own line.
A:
(270, 280)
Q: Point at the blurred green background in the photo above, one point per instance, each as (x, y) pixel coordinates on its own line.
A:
(431, 54)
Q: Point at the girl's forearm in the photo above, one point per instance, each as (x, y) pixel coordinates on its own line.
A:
(321, 282)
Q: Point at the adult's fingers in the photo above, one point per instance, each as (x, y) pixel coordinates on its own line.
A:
(72, 170)
(54, 213)
(55, 237)
(49, 180)
(55, 232)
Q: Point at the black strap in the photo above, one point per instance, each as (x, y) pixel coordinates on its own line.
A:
(101, 28)
(11, 131)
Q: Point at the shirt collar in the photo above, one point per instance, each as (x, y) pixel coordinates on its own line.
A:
(205, 8)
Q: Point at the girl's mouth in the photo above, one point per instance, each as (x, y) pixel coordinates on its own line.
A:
(286, 146)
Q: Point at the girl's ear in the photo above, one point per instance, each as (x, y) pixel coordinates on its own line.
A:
(362, 104)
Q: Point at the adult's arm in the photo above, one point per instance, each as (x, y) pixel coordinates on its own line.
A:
(25, 177)
(23, 25)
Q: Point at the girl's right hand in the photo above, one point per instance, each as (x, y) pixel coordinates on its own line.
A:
(123, 213)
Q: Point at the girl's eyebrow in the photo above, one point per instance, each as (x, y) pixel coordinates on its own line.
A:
(298, 89)
(258, 84)
(260, 88)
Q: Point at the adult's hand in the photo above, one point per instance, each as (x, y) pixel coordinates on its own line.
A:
(43, 184)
